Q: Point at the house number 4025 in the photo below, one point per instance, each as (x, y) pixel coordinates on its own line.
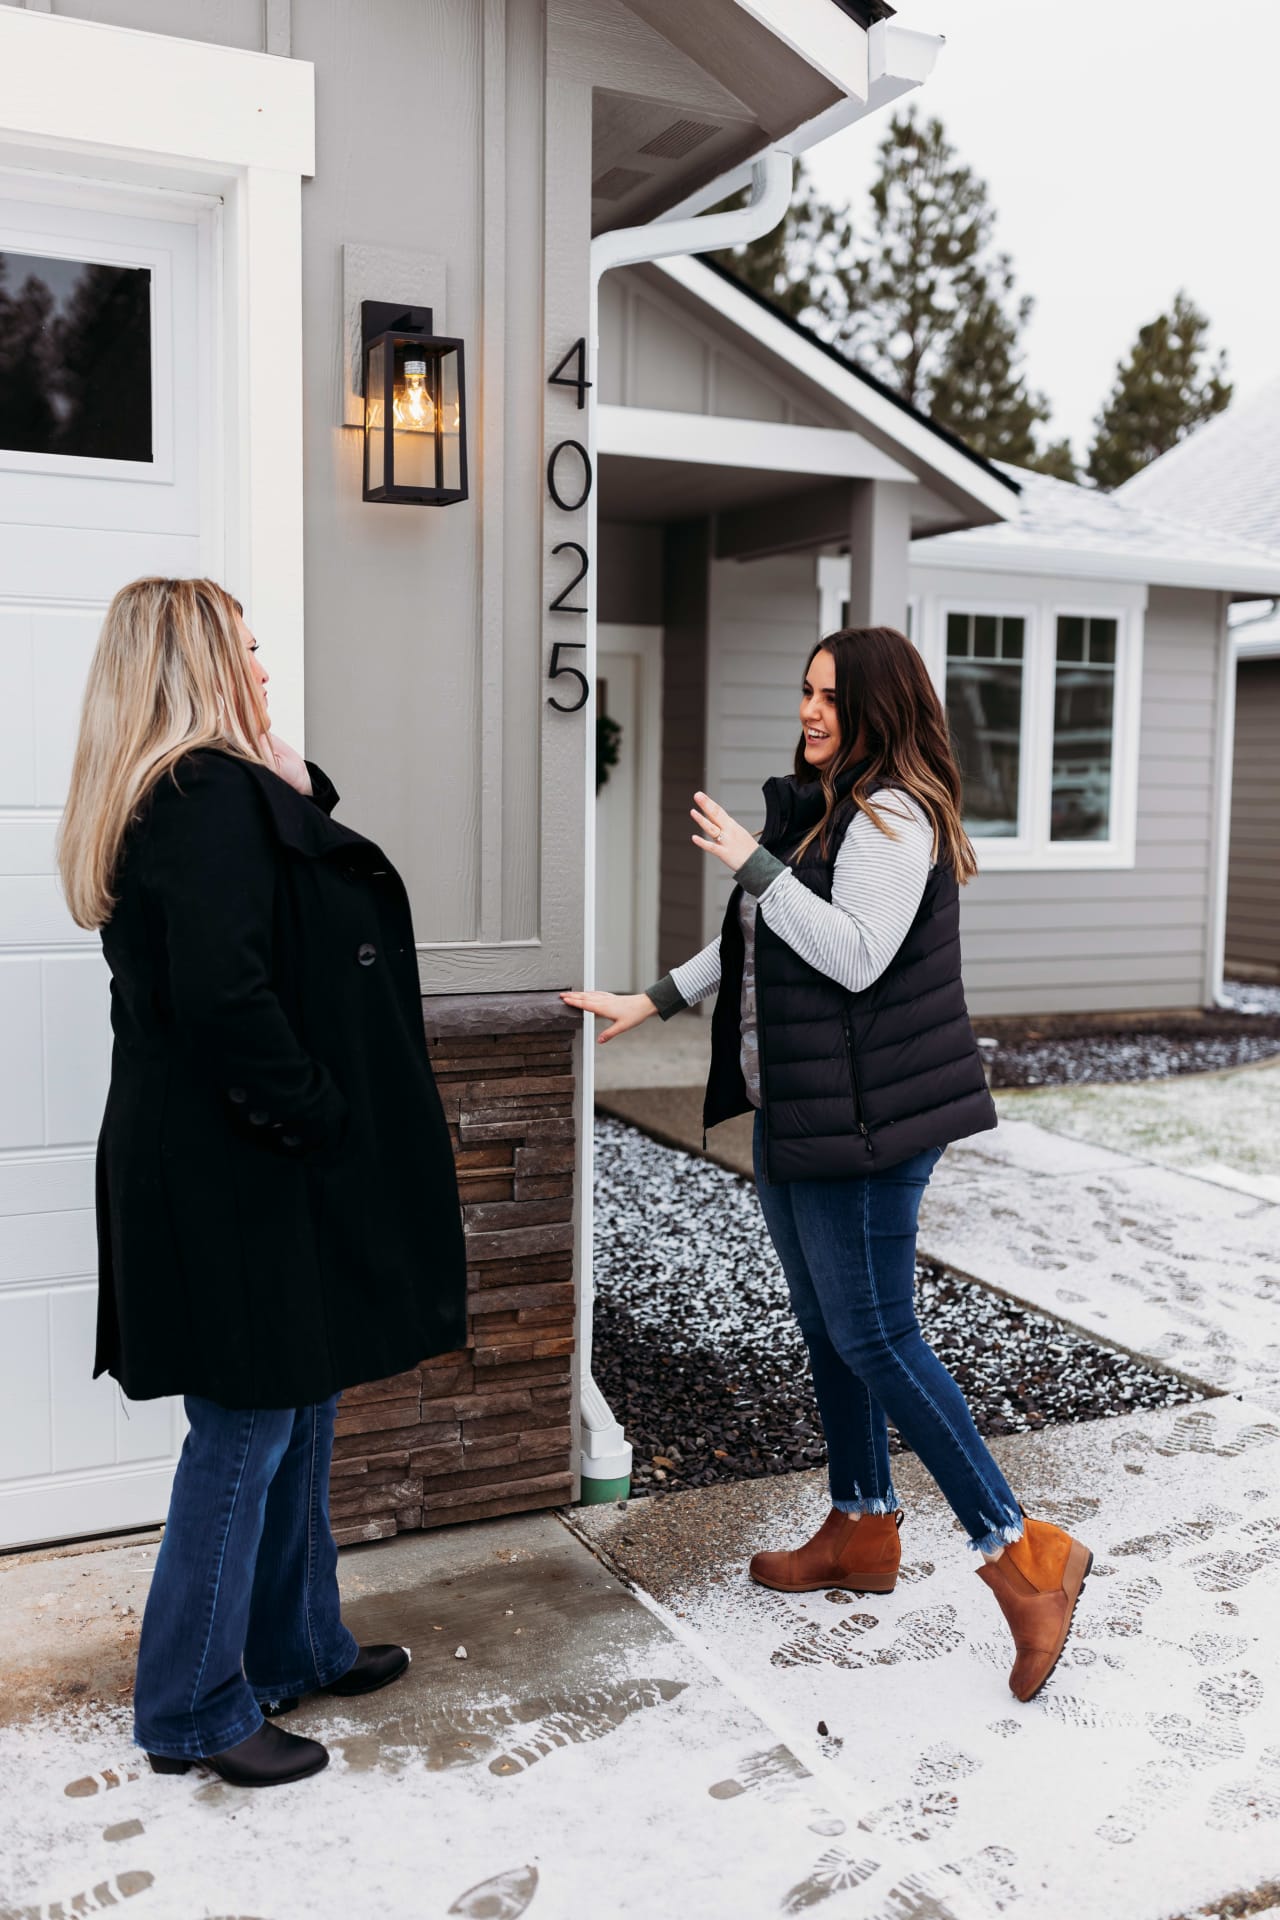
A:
(569, 481)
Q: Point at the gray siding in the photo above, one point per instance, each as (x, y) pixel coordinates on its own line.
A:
(656, 353)
(763, 622)
(1075, 942)
(1253, 873)
(684, 735)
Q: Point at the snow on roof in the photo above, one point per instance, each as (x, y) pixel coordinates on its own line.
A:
(1061, 528)
(1225, 475)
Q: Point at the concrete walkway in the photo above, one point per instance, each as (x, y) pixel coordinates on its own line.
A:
(584, 1757)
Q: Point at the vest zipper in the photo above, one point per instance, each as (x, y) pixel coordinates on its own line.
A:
(863, 1129)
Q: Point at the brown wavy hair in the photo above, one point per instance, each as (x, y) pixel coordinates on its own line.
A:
(883, 686)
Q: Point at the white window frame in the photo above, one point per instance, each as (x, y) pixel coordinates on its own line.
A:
(105, 107)
(1040, 604)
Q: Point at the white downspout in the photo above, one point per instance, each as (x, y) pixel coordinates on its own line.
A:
(606, 1451)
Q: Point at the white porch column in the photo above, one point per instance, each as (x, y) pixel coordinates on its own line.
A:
(879, 551)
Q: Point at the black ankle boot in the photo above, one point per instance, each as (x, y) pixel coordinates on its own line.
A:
(374, 1667)
(271, 1757)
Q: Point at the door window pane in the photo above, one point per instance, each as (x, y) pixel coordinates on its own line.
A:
(984, 710)
(1084, 692)
(75, 358)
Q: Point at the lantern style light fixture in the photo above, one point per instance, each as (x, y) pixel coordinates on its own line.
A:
(415, 412)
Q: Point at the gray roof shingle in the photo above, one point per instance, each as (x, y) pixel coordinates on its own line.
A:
(1225, 477)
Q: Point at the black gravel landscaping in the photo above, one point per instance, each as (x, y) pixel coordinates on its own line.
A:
(699, 1357)
(1055, 1050)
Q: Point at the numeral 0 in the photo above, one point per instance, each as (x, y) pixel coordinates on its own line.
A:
(576, 446)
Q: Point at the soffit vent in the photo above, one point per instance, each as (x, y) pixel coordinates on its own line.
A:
(681, 137)
(618, 182)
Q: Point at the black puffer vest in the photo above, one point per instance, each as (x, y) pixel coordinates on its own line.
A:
(851, 1083)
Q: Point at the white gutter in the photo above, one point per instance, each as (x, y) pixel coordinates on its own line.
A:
(606, 1451)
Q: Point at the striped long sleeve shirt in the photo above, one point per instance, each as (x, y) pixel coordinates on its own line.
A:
(876, 887)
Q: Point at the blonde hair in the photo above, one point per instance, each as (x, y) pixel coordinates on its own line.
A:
(170, 673)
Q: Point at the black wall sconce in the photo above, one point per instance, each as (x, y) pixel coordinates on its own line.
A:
(415, 408)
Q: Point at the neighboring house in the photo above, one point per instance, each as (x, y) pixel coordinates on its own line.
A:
(1079, 641)
(189, 226)
(1226, 477)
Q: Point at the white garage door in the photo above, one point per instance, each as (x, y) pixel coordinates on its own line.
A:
(107, 471)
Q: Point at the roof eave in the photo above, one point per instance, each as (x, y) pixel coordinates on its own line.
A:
(1245, 576)
(988, 496)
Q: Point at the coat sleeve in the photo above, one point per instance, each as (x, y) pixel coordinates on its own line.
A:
(211, 865)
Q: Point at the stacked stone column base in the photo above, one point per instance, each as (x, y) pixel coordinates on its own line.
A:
(488, 1430)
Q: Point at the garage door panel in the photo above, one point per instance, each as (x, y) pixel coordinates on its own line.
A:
(26, 1436)
(33, 913)
(47, 1246)
(77, 1046)
(84, 1421)
(62, 644)
(17, 698)
(22, 1082)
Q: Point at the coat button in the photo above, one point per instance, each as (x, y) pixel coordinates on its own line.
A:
(237, 1096)
(366, 954)
(291, 1140)
(258, 1119)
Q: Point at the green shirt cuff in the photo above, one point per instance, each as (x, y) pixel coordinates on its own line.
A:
(666, 997)
(759, 871)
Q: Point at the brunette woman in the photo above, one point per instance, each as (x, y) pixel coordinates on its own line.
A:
(840, 1017)
(277, 1211)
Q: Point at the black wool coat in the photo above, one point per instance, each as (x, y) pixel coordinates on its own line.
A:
(277, 1206)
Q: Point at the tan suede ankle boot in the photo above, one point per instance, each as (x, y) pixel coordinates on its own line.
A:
(1037, 1582)
(859, 1552)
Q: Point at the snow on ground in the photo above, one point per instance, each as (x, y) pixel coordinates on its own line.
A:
(700, 1357)
(1223, 1127)
(1143, 1781)
(1181, 1269)
(1251, 996)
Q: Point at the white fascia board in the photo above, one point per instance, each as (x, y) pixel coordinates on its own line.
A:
(899, 61)
(77, 82)
(718, 440)
(917, 442)
(827, 39)
(1217, 574)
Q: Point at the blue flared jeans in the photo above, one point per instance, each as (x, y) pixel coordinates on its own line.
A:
(243, 1606)
(848, 1250)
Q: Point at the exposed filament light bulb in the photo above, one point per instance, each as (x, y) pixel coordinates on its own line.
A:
(415, 410)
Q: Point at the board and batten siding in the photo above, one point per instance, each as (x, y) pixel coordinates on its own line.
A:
(762, 622)
(1253, 872)
(1088, 941)
(656, 352)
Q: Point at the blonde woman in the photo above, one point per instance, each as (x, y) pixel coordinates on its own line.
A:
(277, 1210)
(840, 1017)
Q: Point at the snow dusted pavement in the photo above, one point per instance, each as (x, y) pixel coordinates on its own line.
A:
(1180, 1268)
(1142, 1782)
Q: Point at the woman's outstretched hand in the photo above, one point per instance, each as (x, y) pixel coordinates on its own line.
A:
(289, 763)
(622, 1010)
(721, 834)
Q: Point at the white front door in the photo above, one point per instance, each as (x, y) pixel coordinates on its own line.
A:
(107, 471)
(628, 822)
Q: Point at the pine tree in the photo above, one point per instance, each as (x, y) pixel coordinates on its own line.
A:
(805, 265)
(980, 393)
(1056, 459)
(1161, 392)
(937, 316)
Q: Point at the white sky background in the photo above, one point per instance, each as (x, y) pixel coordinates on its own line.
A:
(1131, 148)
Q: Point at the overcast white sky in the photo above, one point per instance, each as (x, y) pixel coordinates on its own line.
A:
(1131, 148)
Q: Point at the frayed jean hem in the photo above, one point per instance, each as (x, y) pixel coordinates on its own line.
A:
(888, 1504)
(997, 1537)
